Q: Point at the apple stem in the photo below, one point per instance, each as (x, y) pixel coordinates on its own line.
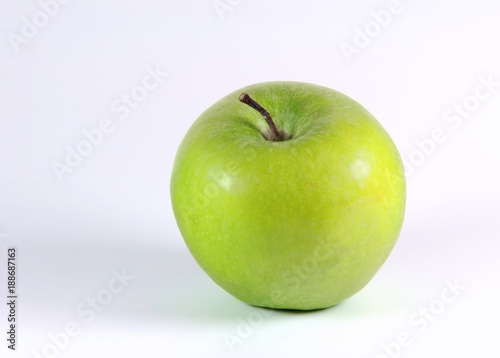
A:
(245, 98)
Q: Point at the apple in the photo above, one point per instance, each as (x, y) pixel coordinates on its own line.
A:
(289, 195)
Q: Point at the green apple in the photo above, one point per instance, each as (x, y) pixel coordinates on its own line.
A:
(292, 199)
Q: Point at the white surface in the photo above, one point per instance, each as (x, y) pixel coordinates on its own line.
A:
(112, 212)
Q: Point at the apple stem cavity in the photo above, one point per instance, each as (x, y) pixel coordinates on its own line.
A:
(278, 137)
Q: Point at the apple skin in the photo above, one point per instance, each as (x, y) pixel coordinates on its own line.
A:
(300, 224)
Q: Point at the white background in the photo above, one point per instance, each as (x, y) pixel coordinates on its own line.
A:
(112, 212)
